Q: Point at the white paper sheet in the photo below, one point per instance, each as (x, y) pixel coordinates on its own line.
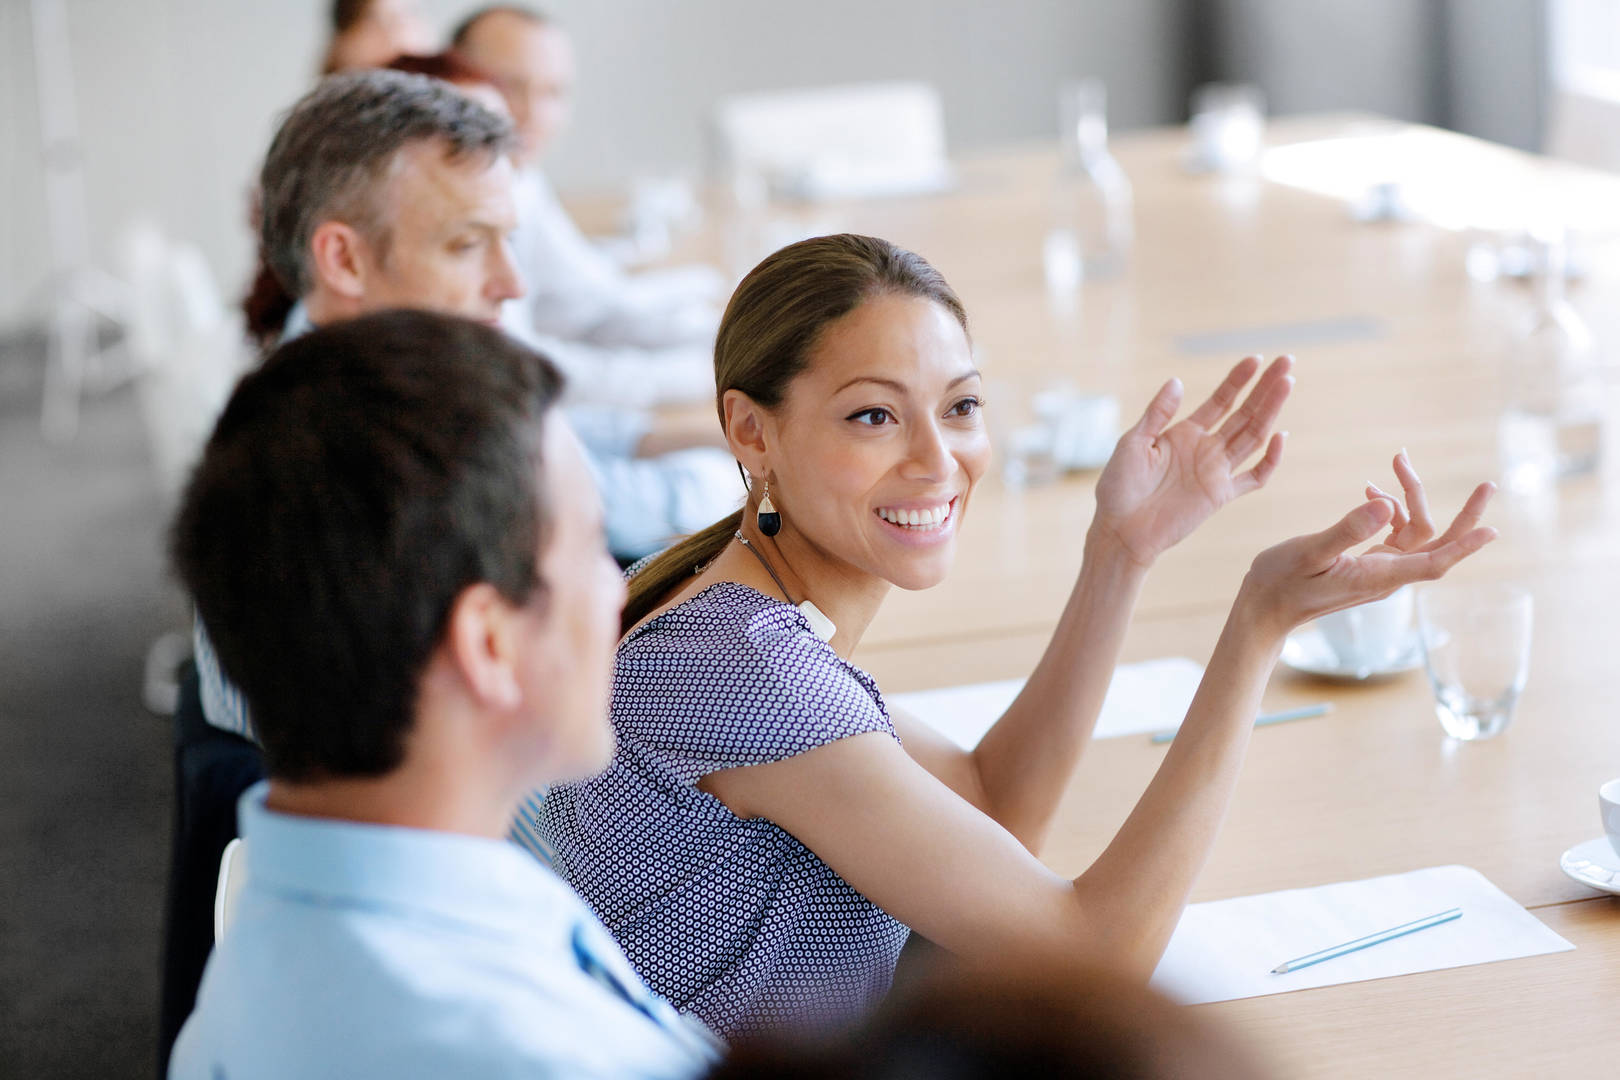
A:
(1226, 949)
(1150, 696)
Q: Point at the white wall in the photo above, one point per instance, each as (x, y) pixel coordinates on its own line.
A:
(177, 98)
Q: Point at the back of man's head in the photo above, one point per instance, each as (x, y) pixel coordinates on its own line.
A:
(354, 486)
(462, 34)
(335, 151)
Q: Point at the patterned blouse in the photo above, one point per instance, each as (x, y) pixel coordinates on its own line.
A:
(734, 921)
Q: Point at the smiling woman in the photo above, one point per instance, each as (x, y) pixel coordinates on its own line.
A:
(769, 831)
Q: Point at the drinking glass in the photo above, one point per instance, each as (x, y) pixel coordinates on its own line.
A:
(1476, 647)
(1092, 224)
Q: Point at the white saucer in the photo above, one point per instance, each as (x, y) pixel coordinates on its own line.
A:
(1593, 863)
(1308, 651)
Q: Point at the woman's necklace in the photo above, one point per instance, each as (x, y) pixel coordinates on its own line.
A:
(820, 625)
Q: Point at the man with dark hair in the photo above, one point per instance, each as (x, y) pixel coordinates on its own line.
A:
(397, 547)
(381, 190)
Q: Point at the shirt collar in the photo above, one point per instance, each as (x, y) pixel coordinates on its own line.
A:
(456, 877)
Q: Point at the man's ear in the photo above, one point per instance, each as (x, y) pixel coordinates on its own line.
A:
(749, 431)
(482, 641)
(338, 258)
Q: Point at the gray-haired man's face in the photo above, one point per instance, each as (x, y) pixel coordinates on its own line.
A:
(450, 224)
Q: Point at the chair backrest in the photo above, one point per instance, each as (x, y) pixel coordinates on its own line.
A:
(188, 348)
(838, 141)
(232, 877)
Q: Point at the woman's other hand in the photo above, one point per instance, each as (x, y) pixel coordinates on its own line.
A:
(1308, 576)
(1411, 528)
(1164, 479)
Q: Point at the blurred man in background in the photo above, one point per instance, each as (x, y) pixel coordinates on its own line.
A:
(576, 292)
(370, 33)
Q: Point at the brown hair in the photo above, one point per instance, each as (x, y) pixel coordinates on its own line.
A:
(346, 15)
(984, 1022)
(770, 326)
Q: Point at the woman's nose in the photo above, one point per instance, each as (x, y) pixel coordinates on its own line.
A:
(929, 453)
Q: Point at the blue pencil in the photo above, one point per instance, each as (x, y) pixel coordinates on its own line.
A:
(1304, 712)
(1367, 942)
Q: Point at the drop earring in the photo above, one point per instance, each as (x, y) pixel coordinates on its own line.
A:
(770, 521)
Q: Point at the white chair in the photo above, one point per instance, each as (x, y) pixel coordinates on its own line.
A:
(187, 350)
(232, 877)
(834, 142)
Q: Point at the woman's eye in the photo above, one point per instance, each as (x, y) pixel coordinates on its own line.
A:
(873, 417)
(966, 407)
(461, 247)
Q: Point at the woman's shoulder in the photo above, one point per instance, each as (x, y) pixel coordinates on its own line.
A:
(733, 654)
(727, 616)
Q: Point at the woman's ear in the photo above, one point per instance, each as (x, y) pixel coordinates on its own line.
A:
(482, 640)
(748, 431)
(337, 259)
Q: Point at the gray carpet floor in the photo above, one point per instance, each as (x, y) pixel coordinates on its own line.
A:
(84, 768)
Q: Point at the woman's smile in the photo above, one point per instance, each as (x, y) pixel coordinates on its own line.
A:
(920, 521)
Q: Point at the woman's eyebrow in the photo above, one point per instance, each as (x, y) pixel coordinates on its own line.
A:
(900, 388)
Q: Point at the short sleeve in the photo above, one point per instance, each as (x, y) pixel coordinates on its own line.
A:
(734, 678)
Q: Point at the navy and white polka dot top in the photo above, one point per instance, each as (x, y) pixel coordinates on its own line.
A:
(734, 921)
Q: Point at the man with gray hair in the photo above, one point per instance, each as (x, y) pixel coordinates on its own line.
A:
(384, 190)
(387, 190)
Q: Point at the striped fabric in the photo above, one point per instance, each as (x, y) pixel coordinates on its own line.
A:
(525, 830)
(222, 703)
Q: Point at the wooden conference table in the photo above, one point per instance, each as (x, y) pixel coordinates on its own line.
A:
(1396, 347)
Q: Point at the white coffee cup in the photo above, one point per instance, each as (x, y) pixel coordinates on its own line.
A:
(1370, 637)
(1609, 807)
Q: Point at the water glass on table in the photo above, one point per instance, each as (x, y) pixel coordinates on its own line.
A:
(1476, 648)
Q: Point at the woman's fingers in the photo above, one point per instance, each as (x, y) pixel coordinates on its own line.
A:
(1359, 525)
(1160, 410)
(1434, 561)
(1468, 518)
(1417, 503)
(1210, 412)
(1398, 522)
(1249, 427)
(1245, 482)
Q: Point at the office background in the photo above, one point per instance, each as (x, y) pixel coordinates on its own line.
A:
(176, 100)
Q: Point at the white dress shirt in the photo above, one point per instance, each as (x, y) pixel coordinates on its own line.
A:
(578, 294)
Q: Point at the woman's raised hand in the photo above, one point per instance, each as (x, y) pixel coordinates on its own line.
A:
(1411, 528)
(1164, 479)
(1300, 579)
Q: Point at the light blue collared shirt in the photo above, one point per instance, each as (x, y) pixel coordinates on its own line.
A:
(367, 950)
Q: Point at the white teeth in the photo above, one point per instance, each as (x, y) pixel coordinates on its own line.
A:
(927, 518)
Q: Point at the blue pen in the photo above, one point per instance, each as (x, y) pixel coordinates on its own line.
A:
(1368, 941)
(1304, 712)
